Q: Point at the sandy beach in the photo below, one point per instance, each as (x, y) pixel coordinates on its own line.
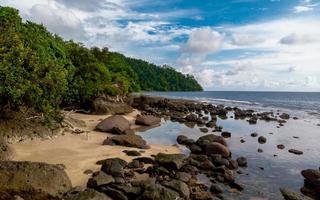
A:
(80, 152)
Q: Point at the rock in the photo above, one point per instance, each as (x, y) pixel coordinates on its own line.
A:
(170, 161)
(179, 187)
(262, 140)
(294, 151)
(184, 140)
(311, 175)
(290, 195)
(88, 171)
(242, 161)
(211, 138)
(254, 134)
(132, 192)
(191, 118)
(132, 153)
(99, 179)
(204, 130)
(194, 148)
(280, 146)
(253, 120)
(226, 134)
(284, 116)
(158, 192)
(134, 164)
(183, 176)
(32, 180)
(114, 167)
(116, 124)
(87, 194)
(260, 150)
(147, 120)
(127, 140)
(242, 141)
(114, 194)
(102, 106)
(145, 160)
(217, 148)
(216, 189)
(236, 186)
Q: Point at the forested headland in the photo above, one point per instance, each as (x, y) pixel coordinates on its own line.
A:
(42, 72)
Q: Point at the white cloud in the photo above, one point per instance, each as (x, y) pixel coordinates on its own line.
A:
(243, 40)
(300, 9)
(296, 39)
(203, 40)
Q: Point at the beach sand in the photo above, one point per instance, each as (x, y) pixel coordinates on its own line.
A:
(79, 152)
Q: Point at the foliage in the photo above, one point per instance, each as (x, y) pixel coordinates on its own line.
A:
(42, 72)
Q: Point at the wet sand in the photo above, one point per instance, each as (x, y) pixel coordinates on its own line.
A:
(79, 152)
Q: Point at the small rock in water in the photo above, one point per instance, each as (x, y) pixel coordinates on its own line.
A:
(216, 189)
(294, 151)
(242, 141)
(254, 134)
(204, 130)
(260, 150)
(296, 137)
(262, 140)
(280, 146)
(226, 134)
(242, 161)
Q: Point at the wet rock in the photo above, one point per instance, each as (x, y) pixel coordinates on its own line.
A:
(242, 141)
(254, 134)
(233, 164)
(147, 120)
(183, 176)
(178, 186)
(195, 149)
(87, 194)
(32, 180)
(280, 146)
(284, 116)
(114, 167)
(134, 164)
(217, 148)
(114, 194)
(204, 130)
(253, 120)
(127, 140)
(211, 138)
(295, 151)
(158, 192)
(242, 161)
(115, 124)
(260, 150)
(312, 175)
(146, 160)
(132, 153)
(184, 140)
(191, 118)
(216, 189)
(262, 140)
(211, 124)
(170, 161)
(236, 186)
(99, 179)
(132, 192)
(226, 134)
(290, 195)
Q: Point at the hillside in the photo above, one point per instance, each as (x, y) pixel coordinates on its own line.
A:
(42, 72)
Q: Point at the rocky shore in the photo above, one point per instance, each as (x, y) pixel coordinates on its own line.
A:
(162, 175)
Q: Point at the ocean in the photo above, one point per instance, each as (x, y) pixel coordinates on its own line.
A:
(302, 102)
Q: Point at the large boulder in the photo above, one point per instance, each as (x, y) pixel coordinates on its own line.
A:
(116, 124)
(217, 148)
(147, 120)
(114, 167)
(127, 140)
(101, 106)
(99, 179)
(178, 186)
(207, 139)
(290, 195)
(170, 161)
(32, 180)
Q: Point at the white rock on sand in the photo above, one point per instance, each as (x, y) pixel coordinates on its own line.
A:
(80, 152)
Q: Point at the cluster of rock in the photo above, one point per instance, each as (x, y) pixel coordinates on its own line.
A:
(311, 186)
(178, 109)
(121, 127)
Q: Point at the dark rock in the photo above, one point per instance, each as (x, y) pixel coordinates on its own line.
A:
(253, 120)
(88, 171)
(114, 167)
(191, 118)
(242, 161)
(216, 189)
(127, 140)
(294, 151)
(99, 179)
(178, 186)
(233, 164)
(217, 148)
(280, 146)
(184, 140)
(170, 161)
(242, 141)
(183, 176)
(87, 194)
(134, 164)
(226, 134)
(262, 140)
(260, 150)
(132, 192)
(32, 180)
(158, 192)
(115, 124)
(311, 175)
(147, 120)
(114, 194)
(123, 163)
(254, 134)
(194, 148)
(211, 138)
(145, 160)
(211, 124)
(204, 130)
(284, 116)
(132, 153)
(236, 186)
(290, 195)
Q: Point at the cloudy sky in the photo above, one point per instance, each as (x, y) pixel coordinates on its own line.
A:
(226, 45)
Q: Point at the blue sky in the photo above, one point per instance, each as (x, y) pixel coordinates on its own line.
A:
(227, 45)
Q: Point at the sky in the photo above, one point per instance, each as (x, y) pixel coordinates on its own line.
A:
(247, 45)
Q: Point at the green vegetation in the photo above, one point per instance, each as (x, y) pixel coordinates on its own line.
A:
(42, 72)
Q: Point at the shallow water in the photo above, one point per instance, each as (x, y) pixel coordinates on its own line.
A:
(282, 170)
